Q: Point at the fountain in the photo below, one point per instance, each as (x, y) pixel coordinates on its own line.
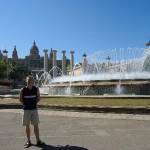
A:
(117, 71)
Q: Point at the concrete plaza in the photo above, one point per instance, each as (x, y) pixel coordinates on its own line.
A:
(62, 130)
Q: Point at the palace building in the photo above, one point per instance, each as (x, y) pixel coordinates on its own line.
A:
(35, 63)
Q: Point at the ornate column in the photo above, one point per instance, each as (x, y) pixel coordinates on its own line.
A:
(84, 64)
(54, 63)
(51, 58)
(71, 61)
(63, 62)
(45, 60)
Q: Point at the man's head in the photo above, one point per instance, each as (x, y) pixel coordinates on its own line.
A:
(29, 80)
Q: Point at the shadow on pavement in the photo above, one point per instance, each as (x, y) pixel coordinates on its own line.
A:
(67, 147)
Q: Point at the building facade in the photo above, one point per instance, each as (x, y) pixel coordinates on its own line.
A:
(35, 63)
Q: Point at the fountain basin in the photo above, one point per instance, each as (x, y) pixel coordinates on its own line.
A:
(99, 87)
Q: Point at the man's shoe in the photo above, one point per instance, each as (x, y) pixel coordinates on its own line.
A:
(40, 143)
(27, 144)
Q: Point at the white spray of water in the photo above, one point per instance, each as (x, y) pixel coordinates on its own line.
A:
(125, 65)
(103, 76)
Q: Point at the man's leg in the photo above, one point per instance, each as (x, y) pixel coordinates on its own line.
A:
(26, 123)
(36, 132)
(28, 143)
(35, 122)
(28, 132)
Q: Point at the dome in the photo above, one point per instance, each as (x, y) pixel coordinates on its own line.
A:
(34, 51)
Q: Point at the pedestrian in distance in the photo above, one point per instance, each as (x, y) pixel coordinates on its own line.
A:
(29, 97)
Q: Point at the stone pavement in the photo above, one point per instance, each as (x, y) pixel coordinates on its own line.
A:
(67, 130)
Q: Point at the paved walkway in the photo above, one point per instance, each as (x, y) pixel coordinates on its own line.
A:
(62, 130)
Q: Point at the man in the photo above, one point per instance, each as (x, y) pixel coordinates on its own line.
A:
(29, 97)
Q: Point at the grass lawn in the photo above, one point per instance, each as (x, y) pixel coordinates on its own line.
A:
(85, 101)
(96, 102)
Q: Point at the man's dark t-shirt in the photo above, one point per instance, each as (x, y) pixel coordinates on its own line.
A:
(29, 97)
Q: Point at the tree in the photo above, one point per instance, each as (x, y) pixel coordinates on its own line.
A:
(18, 74)
(3, 68)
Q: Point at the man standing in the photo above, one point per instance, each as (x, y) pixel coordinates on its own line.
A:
(29, 97)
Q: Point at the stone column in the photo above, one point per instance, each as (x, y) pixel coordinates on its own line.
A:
(45, 60)
(84, 64)
(63, 62)
(71, 61)
(54, 63)
(51, 58)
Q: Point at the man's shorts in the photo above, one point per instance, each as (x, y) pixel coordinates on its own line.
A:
(30, 116)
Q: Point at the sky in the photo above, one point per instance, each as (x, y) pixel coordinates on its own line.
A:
(85, 26)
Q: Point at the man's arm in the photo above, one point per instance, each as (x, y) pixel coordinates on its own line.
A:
(21, 96)
(38, 95)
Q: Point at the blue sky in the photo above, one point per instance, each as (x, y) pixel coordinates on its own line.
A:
(82, 25)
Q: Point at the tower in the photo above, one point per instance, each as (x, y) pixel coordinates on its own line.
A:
(15, 55)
